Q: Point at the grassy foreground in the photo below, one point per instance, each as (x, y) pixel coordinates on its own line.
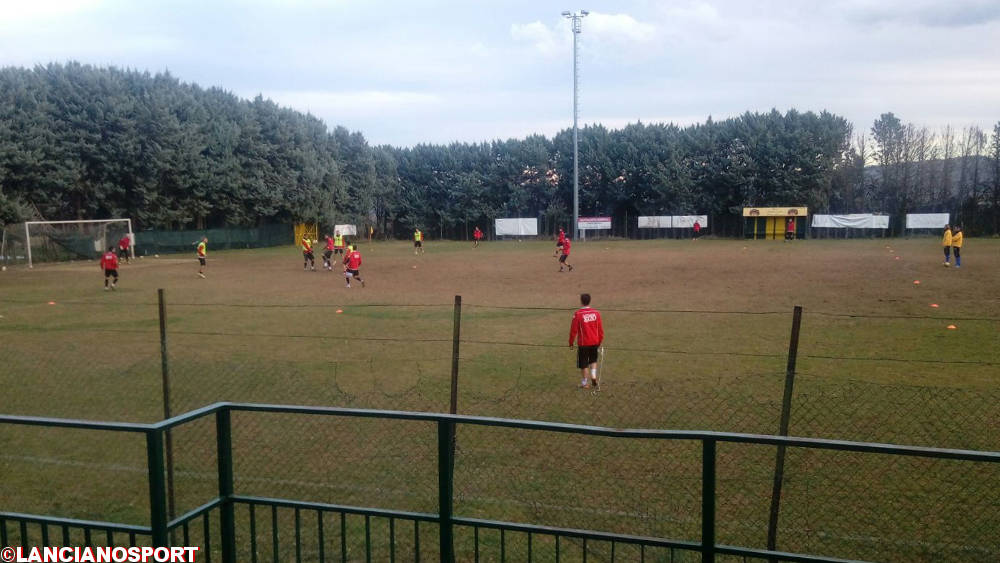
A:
(697, 336)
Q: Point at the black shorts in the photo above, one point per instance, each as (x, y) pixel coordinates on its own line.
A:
(201, 260)
(586, 355)
(418, 243)
(307, 255)
(338, 250)
(562, 257)
(559, 244)
(355, 273)
(327, 254)
(111, 273)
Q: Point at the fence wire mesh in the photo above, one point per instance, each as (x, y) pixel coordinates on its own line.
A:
(710, 370)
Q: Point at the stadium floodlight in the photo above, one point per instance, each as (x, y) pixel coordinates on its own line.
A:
(577, 28)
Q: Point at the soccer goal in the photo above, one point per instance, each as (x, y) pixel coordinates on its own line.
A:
(55, 241)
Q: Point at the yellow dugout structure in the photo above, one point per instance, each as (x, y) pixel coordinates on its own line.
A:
(771, 223)
(310, 230)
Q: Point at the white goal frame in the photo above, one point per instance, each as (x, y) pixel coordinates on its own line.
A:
(27, 232)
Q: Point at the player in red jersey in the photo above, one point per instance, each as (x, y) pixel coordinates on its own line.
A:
(588, 331)
(123, 245)
(565, 255)
(477, 235)
(109, 263)
(327, 253)
(352, 263)
(559, 242)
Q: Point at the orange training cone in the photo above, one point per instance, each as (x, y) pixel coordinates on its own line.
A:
(952, 327)
(340, 310)
(934, 305)
(916, 282)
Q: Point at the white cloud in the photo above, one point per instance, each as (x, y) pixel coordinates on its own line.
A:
(18, 12)
(539, 36)
(619, 27)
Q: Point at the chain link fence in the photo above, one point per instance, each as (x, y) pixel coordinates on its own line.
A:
(708, 370)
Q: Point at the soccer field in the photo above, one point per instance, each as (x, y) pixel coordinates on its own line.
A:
(696, 338)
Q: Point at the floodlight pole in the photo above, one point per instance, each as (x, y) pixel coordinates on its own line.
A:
(577, 20)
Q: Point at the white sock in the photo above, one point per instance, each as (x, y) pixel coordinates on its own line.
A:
(593, 373)
(584, 381)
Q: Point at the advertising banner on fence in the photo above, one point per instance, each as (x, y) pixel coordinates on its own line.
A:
(851, 221)
(516, 227)
(655, 222)
(594, 223)
(346, 230)
(687, 221)
(775, 211)
(927, 220)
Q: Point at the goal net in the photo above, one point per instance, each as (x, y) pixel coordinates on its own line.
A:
(60, 241)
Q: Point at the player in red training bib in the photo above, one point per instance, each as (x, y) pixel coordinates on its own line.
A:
(352, 266)
(327, 253)
(566, 245)
(477, 235)
(588, 332)
(559, 242)
(123, 246)
(109, 263)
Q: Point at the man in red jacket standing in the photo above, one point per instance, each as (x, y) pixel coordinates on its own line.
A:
(109, 263)
(588, 332)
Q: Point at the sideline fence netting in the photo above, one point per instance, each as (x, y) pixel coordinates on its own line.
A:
(707, 370)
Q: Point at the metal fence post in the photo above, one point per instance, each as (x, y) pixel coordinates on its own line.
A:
(786, 411)
(708, 501)
(157, 488)
(446, 487)
(165, 375)
(456, 334)
(227, 520)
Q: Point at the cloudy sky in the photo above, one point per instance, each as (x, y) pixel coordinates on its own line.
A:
(405, 72)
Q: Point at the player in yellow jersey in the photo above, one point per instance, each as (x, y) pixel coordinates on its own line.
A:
(418, 242)
(307, 254)
(956, 245)
(946, 244)
(202, 254)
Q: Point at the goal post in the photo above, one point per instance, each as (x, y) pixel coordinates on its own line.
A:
(89, 240)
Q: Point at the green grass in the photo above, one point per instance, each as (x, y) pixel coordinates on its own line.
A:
(710, 353)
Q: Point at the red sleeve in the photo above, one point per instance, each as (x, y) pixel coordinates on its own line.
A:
(574, 327)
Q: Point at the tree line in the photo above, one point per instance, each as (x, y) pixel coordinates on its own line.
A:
(80, 142)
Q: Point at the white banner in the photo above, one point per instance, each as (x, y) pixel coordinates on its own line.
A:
(687, 221)
(516, 227)
(851, 221)
(346, 230)
(927, 220)
(594, 223)
(655, 222)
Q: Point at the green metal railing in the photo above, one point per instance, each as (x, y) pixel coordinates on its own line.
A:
(162, 531)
